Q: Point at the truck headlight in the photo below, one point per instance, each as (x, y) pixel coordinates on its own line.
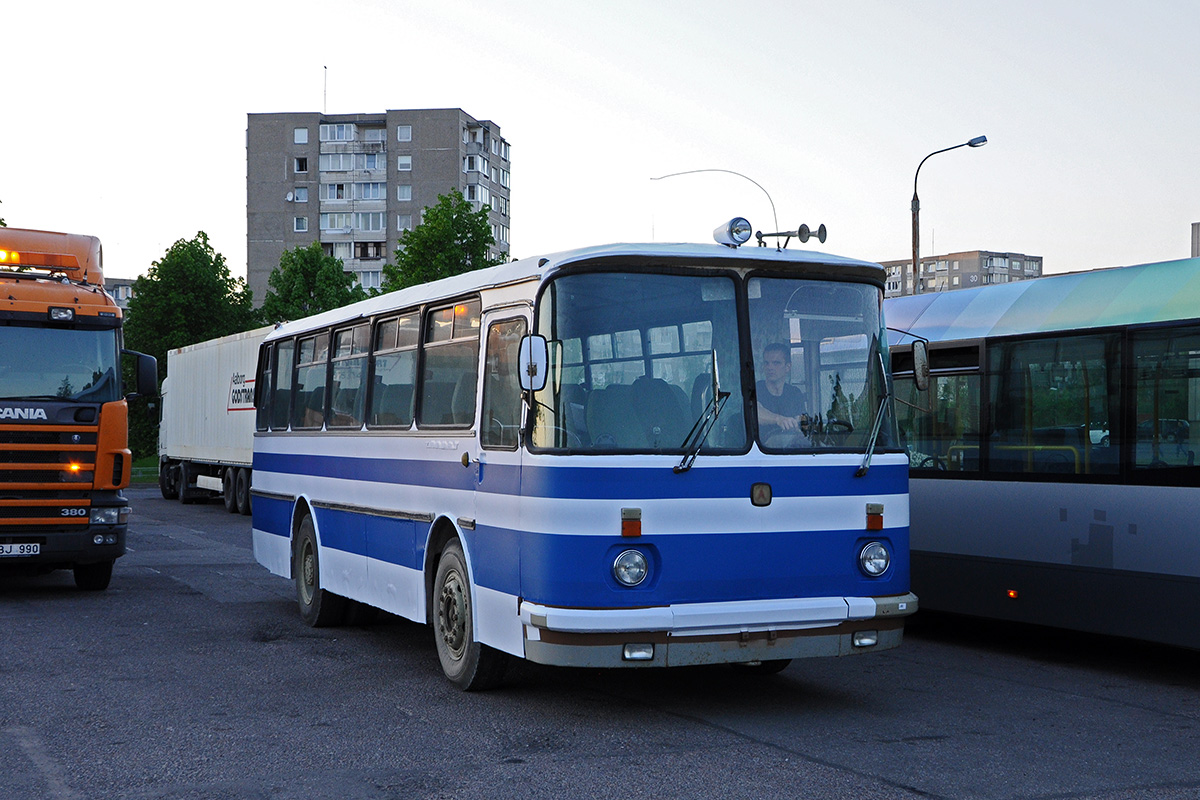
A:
(874, 559)
(630, 568)
(107, 516)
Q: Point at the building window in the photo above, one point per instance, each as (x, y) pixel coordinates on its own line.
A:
(333, 191)
(300, 164)
(339, 250)
(475, 164)
(477, 193)
(301, 194)
(337, 133)
(404, 163)
(371, 279)
(336, 162)
(300, 224)
(369, 191)
(504, 178)
(335, 222)
(369, 221)
(300, 136)
(368, 161)
(403, 193)
(374, 134)
(404, 222)
(368, 249)
(404, 133)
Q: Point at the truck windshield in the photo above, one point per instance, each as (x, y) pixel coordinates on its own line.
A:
(817, 368)
(632, 359)
(69, 364)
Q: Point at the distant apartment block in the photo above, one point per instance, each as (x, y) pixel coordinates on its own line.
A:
(961, 271)
(121, 290)
(354, 182)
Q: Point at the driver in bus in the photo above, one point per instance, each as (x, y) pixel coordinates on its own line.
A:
(780, 402)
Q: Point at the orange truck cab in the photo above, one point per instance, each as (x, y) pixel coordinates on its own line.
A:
(64, 453)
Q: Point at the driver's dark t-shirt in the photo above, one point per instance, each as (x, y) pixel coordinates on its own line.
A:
(790, 403)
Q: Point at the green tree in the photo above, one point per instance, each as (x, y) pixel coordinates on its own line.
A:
(185, 297)
(308, 282)
(452, 239)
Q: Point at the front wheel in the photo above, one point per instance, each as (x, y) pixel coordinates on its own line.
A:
(471, 665)
(319, 608)
(168, 483)
(93, 577)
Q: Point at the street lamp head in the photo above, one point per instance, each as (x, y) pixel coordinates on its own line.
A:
(978, 141)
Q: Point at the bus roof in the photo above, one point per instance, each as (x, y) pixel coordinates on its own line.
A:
(537, 267)
(1142, 293)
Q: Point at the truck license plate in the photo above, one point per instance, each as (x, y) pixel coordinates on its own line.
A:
(22, 549)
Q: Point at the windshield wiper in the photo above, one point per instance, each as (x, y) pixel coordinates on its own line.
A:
(704, 424)
(875, 426)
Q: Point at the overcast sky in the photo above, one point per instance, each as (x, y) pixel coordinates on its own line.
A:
(127, 120)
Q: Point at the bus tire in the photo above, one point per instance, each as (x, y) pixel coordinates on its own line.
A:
(229, 490)
(466, 662)
(167, 482)
(318, 607)
(242, 490)
(93, 577)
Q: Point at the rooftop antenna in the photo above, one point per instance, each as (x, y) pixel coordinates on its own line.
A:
(325, 96)
(729, 172)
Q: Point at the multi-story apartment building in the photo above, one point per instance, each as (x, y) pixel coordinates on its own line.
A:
(961, 271)
(354, 182)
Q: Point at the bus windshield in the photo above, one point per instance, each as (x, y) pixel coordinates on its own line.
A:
(632, 359)
(819, 377)
(39, 363)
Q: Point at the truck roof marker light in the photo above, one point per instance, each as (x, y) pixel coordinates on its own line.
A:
(10, 257)
(734, 233)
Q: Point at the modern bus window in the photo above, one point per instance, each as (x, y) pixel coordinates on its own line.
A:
(451, 360)
(348, 395)
(818, 379)
(940, 428)
(394, 396)
(264, 387)
(501, 388)
(1167, 370)
(631, 362)
(312, 358)
(1054, 406)
(281, 396)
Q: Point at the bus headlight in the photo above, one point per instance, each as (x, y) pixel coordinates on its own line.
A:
(874, 559)
(630, 568)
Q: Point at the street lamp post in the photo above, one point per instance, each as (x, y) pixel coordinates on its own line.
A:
(978, 141)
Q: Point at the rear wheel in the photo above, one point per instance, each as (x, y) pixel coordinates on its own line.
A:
(93, 577)
(318, 607)
(242, 490)
(471, 665)
(229, 491)
(187, 475)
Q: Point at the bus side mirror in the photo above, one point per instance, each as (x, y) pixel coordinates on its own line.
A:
(533, 363)
(920, 354)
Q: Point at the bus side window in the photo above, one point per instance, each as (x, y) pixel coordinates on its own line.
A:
(451, 365)
(264, 388)
(501, 389)
(313, 356)
(281, 396)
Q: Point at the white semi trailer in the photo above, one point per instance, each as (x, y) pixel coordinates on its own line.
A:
(206, 436)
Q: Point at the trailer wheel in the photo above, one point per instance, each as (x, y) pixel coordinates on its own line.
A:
(318, 607)
(229, 491)
(242, 490)
(93, 577)
(466, 662)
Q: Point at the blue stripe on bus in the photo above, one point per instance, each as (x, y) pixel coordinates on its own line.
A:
(597, 483)
(566, 570)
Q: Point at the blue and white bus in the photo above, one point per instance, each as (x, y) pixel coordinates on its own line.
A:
(583, 460)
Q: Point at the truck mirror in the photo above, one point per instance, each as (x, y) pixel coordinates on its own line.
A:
(920, 353)
(533, 362)
(146, 373)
